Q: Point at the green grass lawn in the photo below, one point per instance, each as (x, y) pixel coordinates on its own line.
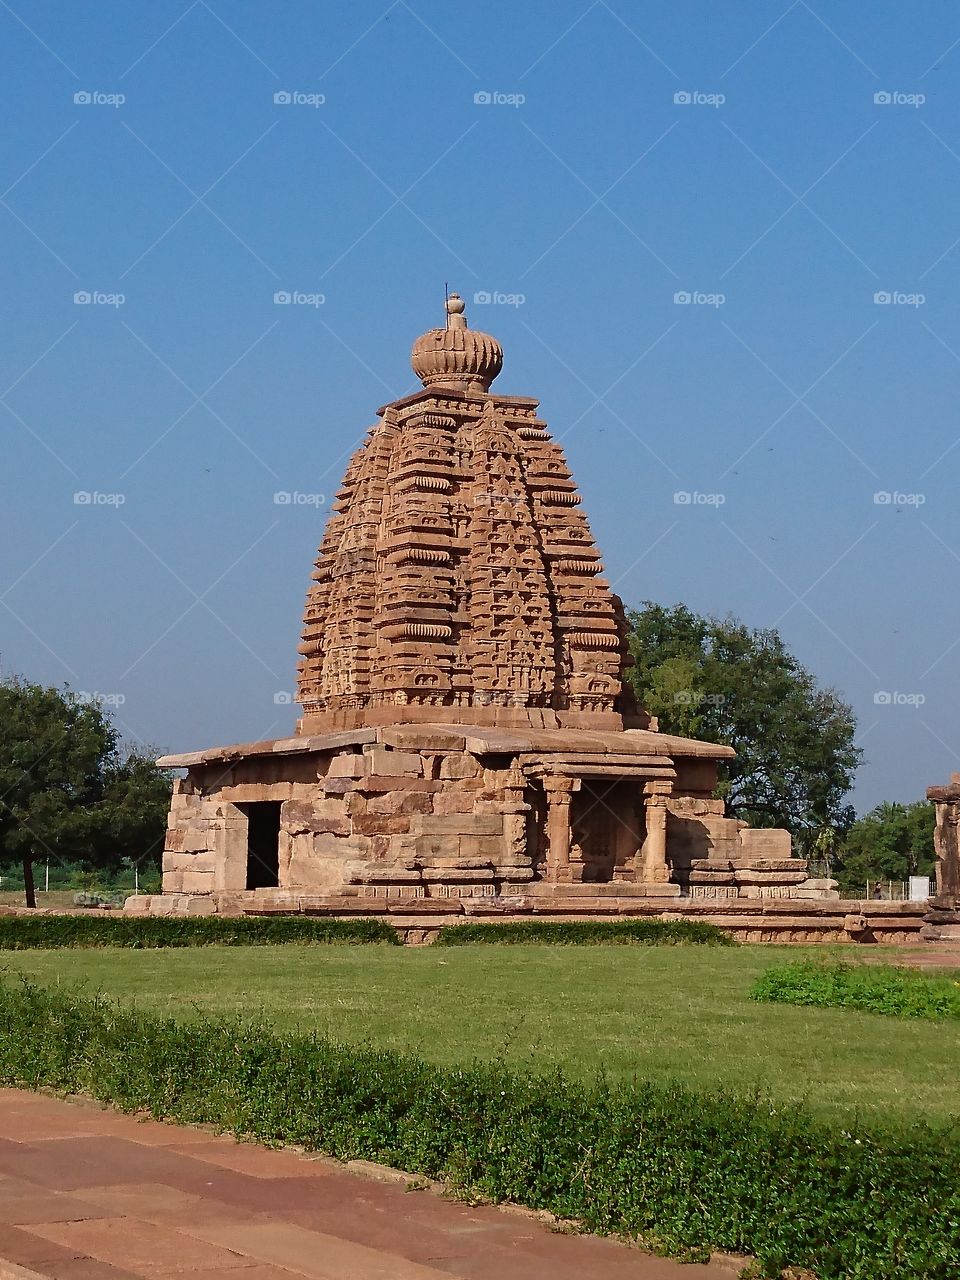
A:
(680, 1013)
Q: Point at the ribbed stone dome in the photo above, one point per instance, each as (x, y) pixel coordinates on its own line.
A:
(456, 356)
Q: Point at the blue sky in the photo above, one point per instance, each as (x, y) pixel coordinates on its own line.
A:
(629, 154)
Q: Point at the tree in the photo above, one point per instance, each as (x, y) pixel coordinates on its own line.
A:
(68, 790)
(720, 680)
(891, 842)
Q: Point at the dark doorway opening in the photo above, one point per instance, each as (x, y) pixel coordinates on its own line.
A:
(607, 826)
(263, 844)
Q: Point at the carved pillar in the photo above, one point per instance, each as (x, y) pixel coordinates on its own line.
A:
(945, 839)
(231, 848)
(559, 792)
(653, 855)
(943, 919)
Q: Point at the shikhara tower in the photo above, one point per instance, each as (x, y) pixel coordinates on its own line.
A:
(467, 742)
(458, 575)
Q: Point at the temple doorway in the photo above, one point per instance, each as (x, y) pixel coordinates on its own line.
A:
(606, 826)
(263, 844)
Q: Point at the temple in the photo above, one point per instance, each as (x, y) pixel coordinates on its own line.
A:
(467, 732)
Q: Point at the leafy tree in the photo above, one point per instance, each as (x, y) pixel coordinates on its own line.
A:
(68, 790)
(891, 842)
(718, 679)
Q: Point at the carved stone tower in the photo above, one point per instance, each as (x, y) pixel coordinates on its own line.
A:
(458, 577)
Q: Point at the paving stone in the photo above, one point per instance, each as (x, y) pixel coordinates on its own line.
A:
(87, 1269)
(141, 1247)
(245, 1157)
(319, 1255)
(25, 1247)
(22, 1203)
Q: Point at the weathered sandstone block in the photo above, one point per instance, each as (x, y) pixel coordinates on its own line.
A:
(389, 764)
(463, 765)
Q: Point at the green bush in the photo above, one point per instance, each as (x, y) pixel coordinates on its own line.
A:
(579, 932)
(897, 993)
(27, 932)
(680, 1171)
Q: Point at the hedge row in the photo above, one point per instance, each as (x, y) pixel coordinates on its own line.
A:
(898, 993)
(680, 1171)
(26, 932)
(570, 932)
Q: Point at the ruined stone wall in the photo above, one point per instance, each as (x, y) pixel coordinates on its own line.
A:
(391, 822)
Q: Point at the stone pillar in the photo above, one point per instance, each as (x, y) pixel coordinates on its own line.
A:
(559, 792)
(653, 855)
(943, 919)
(231, 848)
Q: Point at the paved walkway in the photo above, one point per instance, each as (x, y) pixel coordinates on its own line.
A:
(89, 1194)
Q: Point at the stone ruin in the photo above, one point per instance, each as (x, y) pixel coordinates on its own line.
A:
(466, 731)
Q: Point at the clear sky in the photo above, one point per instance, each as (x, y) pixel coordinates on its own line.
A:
(620, 154)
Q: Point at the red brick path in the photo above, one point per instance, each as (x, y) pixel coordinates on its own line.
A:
(88, 1194)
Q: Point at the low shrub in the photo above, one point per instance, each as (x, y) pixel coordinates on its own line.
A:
(27, 932)
(579, 932)
(897, 993)
(682, 1172)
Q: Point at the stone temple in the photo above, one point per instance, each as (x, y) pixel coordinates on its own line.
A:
(467, 739)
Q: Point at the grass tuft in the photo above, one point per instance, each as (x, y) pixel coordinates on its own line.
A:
(883, 989)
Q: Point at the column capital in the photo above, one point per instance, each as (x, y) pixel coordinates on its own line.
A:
(559, 787)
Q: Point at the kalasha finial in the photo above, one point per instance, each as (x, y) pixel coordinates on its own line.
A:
(456, 356)
(455, 308)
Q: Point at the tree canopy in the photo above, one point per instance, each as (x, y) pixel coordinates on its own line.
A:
(68, 788)
(718, 679)
(891, 842)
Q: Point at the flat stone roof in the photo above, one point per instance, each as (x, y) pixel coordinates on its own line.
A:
(475, 738)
